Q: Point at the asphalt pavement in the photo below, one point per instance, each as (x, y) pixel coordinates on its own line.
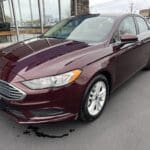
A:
(124, 125)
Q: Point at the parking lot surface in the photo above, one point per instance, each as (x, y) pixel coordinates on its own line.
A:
(124, 125)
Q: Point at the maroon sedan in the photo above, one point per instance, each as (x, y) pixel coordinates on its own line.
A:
(70, 71)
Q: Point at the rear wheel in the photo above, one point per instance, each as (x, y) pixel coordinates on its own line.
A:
(95, 98)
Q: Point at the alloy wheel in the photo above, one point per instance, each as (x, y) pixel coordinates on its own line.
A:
(96, 98)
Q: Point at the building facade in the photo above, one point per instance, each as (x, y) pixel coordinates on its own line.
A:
(145, 12)
(79, 7)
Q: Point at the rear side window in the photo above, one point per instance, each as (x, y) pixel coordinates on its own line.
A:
(127, 26)
(142, 24)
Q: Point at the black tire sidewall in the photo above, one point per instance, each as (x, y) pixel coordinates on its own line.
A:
(147, 67)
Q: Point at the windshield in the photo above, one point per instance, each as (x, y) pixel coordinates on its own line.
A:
(85, 29)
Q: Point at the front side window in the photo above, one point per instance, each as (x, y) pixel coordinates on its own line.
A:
(127, 26)
(85, 29)
(142, 24)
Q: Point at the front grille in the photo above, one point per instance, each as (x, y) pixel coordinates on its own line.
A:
(47, 112)
(3, 105)
(10, 92)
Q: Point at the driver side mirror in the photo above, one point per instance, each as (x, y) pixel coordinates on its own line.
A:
(125, 39)
(128, 38)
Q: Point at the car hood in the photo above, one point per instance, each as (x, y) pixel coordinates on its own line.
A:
(41, 57)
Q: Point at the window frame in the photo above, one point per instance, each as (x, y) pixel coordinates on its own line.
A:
(117, 30)
(137, 25)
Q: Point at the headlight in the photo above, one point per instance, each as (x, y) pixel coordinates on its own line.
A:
(53, 81)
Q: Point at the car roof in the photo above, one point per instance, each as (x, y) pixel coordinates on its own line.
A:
(115, 15)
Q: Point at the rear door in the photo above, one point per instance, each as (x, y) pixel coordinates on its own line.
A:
(144, 37)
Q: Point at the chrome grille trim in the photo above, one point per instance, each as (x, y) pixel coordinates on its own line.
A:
(10, 92)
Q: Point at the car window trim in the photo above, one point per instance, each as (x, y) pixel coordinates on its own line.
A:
(138, 24)
(117, 30)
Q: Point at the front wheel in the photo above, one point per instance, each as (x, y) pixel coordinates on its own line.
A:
(147, 67)
(95, 98)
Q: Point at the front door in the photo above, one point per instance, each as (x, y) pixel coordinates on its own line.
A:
(129, 58)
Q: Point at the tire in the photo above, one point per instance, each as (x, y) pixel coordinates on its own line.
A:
(91, 109)
(147, 67)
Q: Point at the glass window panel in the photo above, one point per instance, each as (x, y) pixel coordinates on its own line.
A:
(51, 12)
(8, 12)
(65, 9)
(142, 24)
(127, 26)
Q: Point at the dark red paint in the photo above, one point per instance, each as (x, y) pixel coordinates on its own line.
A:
(44, 57)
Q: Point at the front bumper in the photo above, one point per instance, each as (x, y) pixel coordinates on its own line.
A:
(45, 106)
(36, 116)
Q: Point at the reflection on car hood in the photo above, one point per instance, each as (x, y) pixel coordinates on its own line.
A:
(31, 56)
